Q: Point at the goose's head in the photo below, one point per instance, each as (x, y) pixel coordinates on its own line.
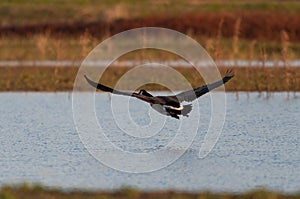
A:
(145, 93)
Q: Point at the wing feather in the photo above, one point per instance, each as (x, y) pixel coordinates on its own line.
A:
(193, 94)
(106, 88)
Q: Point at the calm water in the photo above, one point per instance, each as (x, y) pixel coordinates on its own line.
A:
(259, 146)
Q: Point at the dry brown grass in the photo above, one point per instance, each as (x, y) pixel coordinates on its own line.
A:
(45, 46)
(43, 78)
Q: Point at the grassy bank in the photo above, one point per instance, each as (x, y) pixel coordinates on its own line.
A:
(62, 78)
(33, 192)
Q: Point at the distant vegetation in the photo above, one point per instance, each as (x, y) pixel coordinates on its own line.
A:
(33, 192)
(69, 29)
(47, 46)
(19, 12)
(261, 79)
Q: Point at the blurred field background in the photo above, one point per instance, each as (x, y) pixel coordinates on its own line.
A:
(61, 30)
(229, 30)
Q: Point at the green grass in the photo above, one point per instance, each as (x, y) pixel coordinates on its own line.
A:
(34, 192)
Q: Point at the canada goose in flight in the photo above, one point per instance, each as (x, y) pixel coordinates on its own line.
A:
(168, 105)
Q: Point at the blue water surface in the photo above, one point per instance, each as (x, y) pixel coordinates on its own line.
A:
(259, 146)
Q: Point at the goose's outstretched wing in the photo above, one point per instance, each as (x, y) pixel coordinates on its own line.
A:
(107, 89)
(191, 95)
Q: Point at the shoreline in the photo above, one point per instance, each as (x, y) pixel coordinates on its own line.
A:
(155, 63)
(38, 191)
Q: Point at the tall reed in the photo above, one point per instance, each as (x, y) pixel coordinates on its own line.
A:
(260, 80)
(41, 41)
(266, 75)
(8, 74)
(209, 45)
(86, 42)
(235, 41)
(235, 45)
(251, 57)
(59, 54)
(218, 46)
(284, 53)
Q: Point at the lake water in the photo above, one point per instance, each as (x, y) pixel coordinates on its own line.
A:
(259, 146)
